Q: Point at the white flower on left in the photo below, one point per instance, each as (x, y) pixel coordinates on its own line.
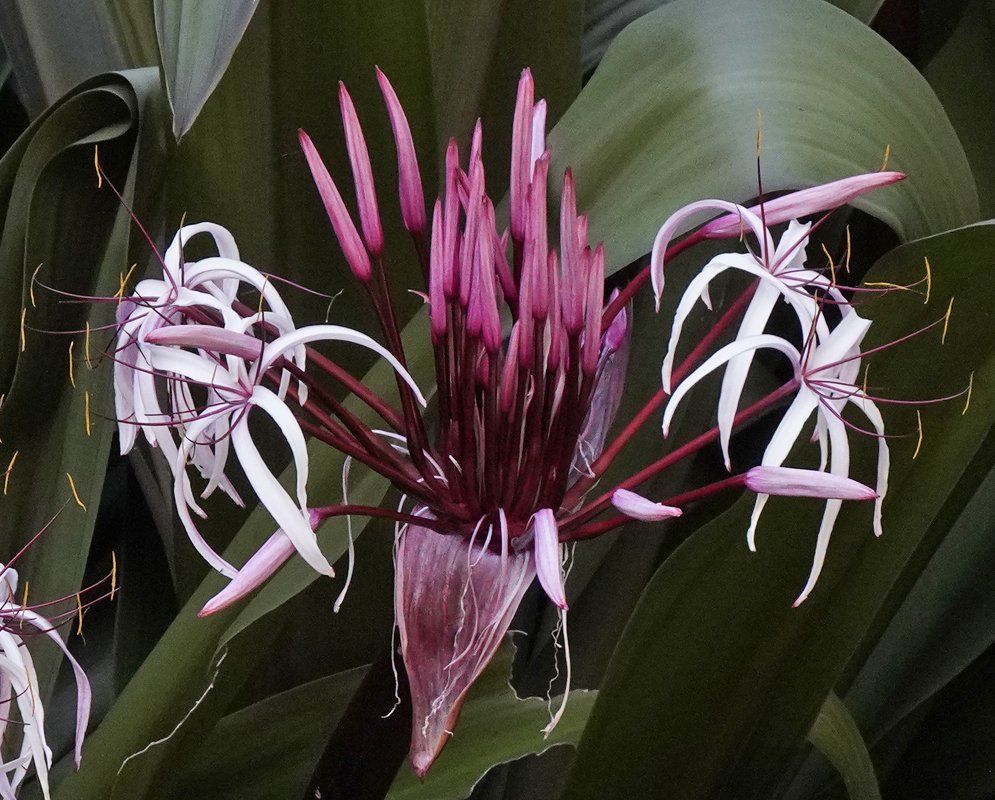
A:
(19, 684)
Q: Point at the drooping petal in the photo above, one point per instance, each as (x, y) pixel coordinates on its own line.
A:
(453, 601)
(545, 534)
(293, 518)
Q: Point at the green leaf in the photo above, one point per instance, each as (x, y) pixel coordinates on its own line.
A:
(48, 177)
(196, 43)
(717, 679)
(268, 749)
(837, 737)
(670, 117)
(53, 47)
(943, 625)
(864, 10)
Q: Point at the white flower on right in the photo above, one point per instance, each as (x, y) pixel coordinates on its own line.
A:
(825, 370)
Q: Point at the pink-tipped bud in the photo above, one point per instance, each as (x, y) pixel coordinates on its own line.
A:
(591, 349)
(790, 482)
(521, 157)
(638, 507)
(483, 319)
(345, 230)
(546, 535)
(409, 177)
(802, 203)
(537, 247)
(617, 332)
(436, 273)
(450, 228)
(574, 280)
(362, 174)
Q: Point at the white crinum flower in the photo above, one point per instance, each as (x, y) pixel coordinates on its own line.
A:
(825, 371)
(19, 686)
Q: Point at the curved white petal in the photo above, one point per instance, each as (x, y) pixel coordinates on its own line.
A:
(677, 219)
(333, 333)
(719, 358)
(292, 518)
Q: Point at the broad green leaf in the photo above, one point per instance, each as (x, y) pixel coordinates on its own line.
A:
(864, 10)
(837, 737)
(604, 20)
(196, 43)
(46, 178)
(670, 117)
(717, 679)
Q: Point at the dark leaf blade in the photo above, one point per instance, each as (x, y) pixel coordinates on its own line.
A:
(837, 737)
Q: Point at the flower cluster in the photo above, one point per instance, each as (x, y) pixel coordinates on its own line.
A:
(530, 362)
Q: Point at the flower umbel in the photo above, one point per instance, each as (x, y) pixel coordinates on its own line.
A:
(530, 362)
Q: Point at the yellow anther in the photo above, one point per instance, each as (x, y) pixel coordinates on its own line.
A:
(946, 321)
(888, 285)
(10, 466)
(124, 281)
(24, 338)
(887, 152)
(929, 280)
(72, 378)
(96, 166)
(847, 263)
(970, 386)
(31, 286)
(919, 443)
(24, 599)
(86, 407)
(113, 573)
(87, 348)
(867, 369)
(72, 485)
(79, 613)
(759, 126)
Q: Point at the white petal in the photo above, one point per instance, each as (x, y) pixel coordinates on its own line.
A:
(719, 358)
(292, 518)
(333, 333)
(545, 534)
